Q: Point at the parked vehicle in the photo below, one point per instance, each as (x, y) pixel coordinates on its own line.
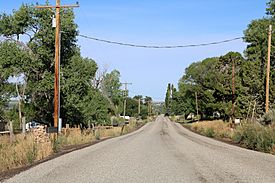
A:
(31, 125)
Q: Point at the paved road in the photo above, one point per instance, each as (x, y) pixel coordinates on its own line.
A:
(160, 151)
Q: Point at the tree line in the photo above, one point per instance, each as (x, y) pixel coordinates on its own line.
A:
(211, 79)
(27, 73)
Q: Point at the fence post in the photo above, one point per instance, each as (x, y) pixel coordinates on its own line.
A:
(11, 131)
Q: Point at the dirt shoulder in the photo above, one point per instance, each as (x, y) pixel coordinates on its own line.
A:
(64, 150)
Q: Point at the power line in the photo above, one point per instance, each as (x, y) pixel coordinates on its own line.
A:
(159, 47)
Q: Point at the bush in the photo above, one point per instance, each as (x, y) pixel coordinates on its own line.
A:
(255, 137)
(209, 132)
(268, 118)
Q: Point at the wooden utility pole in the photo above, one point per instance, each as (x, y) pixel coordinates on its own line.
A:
(233, 90)
(125, 98)
(268, 68)
(57, 54)
(139, 106)
(197, 106)
(149, 108)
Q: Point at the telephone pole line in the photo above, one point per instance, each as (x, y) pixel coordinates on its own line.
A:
(138, 106)
(233, 90)
(57, 7)
(268, 69)
(125, 97)
(197, 107)
(149, 107)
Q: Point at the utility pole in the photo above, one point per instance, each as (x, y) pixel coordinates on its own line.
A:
(125, 97)
(233, 90)
(149, 103)
(57, 7)
(197, 107)
(268, 68)
(138, 106)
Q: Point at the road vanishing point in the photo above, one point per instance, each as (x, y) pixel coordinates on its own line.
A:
(160, 151)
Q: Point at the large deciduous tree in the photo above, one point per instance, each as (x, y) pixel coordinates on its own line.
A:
(27, 53)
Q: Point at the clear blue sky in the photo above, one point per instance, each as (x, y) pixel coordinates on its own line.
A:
(159, 22)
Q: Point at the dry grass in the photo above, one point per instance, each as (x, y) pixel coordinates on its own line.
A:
(130, 127)
(113, 132)
(73, 136)
(215, 128)
(22, 151)
(249, 135)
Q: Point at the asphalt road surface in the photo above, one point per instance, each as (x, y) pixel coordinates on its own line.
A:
(161, 151)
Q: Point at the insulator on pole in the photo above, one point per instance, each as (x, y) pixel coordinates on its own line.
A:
(53, 21)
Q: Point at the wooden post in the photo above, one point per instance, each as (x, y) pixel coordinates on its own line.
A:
(125, 98)
(23, 125)
(93, 128)
(89, 125)
(268, 69)
(11, 131)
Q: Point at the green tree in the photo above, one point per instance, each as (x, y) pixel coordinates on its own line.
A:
(256, 37)
(270, 10)
(132, 107)
(16, 63)
(211, 80)
(33, 63)
(111, 90)
(168, 98)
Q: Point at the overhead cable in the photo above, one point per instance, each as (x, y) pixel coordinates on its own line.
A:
(159, 47)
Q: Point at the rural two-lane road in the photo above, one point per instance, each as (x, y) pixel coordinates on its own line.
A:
(161, 151)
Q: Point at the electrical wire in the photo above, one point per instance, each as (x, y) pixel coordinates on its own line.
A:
(159, 47)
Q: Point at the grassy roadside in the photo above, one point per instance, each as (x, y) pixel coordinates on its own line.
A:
(26, 150)
(249, 135)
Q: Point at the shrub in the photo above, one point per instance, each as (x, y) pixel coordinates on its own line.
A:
(268, 118)
(209, 132)
(256, 137)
